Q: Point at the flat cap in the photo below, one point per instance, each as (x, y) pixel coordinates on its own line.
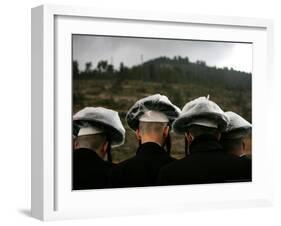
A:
(238, 127)
(201, 111)
(105, 119)
(153, 103)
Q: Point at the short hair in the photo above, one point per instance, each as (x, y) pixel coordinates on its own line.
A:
(152, 127)
(197, 130)
(231, 144)
(94, 141)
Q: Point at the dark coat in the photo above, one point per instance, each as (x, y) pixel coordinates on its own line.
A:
(142, 169)
(246, 162)
(89, 170)
(207, 163)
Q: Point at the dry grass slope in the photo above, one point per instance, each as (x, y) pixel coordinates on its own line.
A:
(120, 95)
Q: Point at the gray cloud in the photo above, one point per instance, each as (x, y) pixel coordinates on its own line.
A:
(129, 51)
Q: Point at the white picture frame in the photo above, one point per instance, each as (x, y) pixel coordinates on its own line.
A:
(52, 197)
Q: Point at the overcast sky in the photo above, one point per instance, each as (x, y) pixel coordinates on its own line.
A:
(131, 51)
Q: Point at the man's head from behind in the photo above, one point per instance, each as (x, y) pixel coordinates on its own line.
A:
(93, 139)
(234, 146)
(200, 116)
(153, 127)
(200, 111)
(233, 140)
(198, 130)
(153, 132)
(151, 117)
(99, 129)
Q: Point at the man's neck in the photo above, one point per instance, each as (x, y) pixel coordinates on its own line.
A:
(238, 153)
(157, 140)
(152, 142)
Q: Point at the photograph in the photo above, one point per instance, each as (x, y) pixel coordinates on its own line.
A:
(159, 112)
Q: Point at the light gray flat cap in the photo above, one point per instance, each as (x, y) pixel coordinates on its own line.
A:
(238, 127)
(158, 103)
(103, 118)
(201, 111)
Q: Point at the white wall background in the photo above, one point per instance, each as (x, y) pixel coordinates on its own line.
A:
(15, 112)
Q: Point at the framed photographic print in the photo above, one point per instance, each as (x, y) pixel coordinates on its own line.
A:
(132, 112)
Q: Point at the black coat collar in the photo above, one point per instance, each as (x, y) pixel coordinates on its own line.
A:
(205, 143)
(149, 148)
(87, 154)
(85, 150)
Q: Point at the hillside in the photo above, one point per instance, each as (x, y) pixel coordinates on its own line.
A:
(176, 78)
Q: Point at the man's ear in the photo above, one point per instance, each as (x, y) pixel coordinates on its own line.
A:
(186, 136)
(104, 148)
(243, 145)
(138, 134)
(75, 144)
(166, 131)
(189, 137)
(218, 136)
